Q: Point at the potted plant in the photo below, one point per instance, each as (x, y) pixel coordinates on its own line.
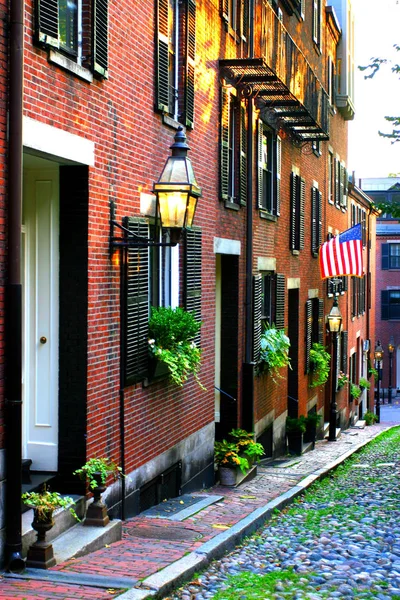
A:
(370, 418)
(44, 503)
(95, 471)
(312, 420)
(295, 428)
(342, 380)
(172, 331)
(274, 352)
(355, 391)
(237, 453)
(364, 384)
(372, 372)
(319, 365)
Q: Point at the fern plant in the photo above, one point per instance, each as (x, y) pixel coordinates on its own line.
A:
(274, 352)
(319, 365)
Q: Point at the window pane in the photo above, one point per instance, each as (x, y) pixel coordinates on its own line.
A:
(68, 24)
(394, 304)
(394, 256)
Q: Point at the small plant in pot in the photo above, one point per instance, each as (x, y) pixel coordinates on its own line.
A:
(312, 421)
(319, 365)
(355, 391)
(370, 418)
(364, 384)
(44, 504)
(239, 452)
(172, 332)
(274, 352)
(95, 471)
(295, 428)
(342, 380)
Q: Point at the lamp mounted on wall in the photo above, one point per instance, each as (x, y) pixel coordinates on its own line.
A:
(176, 194)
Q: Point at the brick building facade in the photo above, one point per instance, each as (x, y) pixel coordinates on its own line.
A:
(263, 90)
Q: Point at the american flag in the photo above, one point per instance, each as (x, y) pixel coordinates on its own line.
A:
(342, 255)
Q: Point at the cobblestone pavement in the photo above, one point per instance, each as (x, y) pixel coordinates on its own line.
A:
(341, 540)
(143, 552)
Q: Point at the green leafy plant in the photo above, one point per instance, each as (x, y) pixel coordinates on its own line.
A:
(319, 365)
(100, 467)
(364, 383)
(171, 332)
(370, 418)
(295, 424)
(342, 380)
(274, 352)
(240, 451)
(313, 419)
(355, 391)
(373, 372)
(45, 503)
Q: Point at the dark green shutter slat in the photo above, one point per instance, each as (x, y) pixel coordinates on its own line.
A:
(260, 170)
(293, 209)
(280, 301)
(384, 305)
(344, 351)
(314, 246)
(100, 37)
(302, 209)
(278, 174)
(46, 22)
(321, 316)
(243, 155)
(136, 305)
(319, 219)
(224, 145)
(308, 340)
(193, 274)
(257, 310)
(162, 57)
(190, 61)
(385, 256)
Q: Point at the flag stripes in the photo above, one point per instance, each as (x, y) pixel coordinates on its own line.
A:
(342, 255)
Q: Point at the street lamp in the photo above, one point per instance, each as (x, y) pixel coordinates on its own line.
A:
(334, 324)
(391, 350)
(378, 363)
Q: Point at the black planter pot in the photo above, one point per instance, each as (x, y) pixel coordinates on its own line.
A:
(310, 434)
(40, 554)
(97, 511)
(295, 443)
(157, 369)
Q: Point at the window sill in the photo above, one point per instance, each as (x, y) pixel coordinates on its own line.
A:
(167, 120)
(267, 216)
(56, 58)
(231, 205)
(296, 252)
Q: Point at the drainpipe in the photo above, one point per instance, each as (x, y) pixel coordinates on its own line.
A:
(13, 296)
(123, 263)
(248, 366)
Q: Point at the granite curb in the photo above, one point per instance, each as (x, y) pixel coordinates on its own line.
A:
(160, 583)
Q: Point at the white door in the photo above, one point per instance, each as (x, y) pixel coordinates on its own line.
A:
(40, 328)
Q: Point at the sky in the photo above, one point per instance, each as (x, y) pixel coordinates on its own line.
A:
(376, 31)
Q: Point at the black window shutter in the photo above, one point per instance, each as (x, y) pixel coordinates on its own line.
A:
(224, 4)
(314, 217)
(193, 274)
(321, 315)
(337, 181)
(257, 314)
(330, 288)
(46, 22)
(244, 8)
(302, 207)
(278, 174)
(385, 305)
(243, 155)
(100, 38)
(319, 220)
(260, 170)
(309, 323)
(224, 141)
(280, 301)
(344, 351)
(344, 283)
(385, 256)
(136, 305)
(190, 61)
(294, 180)
(162, 57)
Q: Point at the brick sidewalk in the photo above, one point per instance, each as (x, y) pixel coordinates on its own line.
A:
(151, 544)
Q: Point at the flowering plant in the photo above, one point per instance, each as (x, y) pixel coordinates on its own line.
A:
(240, 452)
(171, 333)
(342, 380)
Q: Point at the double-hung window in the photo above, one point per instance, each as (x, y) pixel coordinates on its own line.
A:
(61, 25)
(314, 333)
(316, 220)
(390, 256)
(235, 14)
(269, 170)
(268, 305)
(317, 16)
(233, 149)
(390, 305)
(175, 60)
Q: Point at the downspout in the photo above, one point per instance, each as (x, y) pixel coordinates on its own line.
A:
(248, 366)
(13, 296)
(123, 267)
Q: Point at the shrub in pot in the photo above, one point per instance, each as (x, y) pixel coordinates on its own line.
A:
(319, 365)
(237, 453)
(312, 420)
(295, 428)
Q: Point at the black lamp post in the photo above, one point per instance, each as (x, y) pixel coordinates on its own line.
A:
(334, 324)
(391, 350)
(378, 363)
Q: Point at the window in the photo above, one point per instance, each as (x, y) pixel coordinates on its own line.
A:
(331, 81)
(357, 296)
(314, 327)
(316, 147)
(61, 24)
(268, 305)
(390, 305)
(233, 146)
(235, 13)
(340, 184)
(175, 60)
(336, 286)
(316, 220)
(269, 170)
(390, 256)
(359, 215)
(152, 278)
(317, 22)
(331, 178)
(297, 212)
